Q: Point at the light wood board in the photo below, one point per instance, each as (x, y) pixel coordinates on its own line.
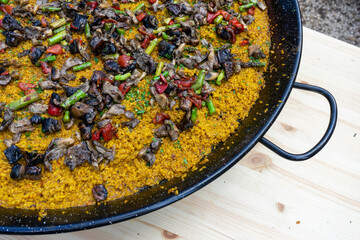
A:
(265, 196)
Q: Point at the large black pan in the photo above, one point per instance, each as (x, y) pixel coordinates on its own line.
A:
(286, 22)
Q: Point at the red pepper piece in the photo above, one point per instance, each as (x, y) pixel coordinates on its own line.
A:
(185, 84)
(45, 67)
(124, 60)
(124, 88)
(225, 14)
(43, 22)
(107, 133)
(145, 43)
(162, 84)
(25, 86)
(152, 1)
(244, 42)
(54, 110)
(5, 73)
(251, 10)
(140, 17)
(238, 27)
(56, 49)
(6, 9)
(211, 16)
(160, 118)
(196, 102)
(116, 7)
(92, 5)
(73, 27)
(143, 31)
(171, 22)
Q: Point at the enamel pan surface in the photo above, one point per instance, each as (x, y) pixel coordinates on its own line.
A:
(287, 38)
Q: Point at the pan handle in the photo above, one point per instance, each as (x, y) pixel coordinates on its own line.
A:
(324, 139)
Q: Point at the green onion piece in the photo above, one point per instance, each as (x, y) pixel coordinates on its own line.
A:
(181, 19)
(199, 82)
(56, 38)
(159, 30)
(211, 107)
(107, 26)
(49, 9)
(58, 23)
(87, 31)
(220, 77)
(111, 57)
(152, 46)
(167, 21)
(66, 117)
(47, 59)
(176, 25)
(243, 8)
(73, 99)
(139, 7)
(218, 19)
(159, 69)
(60, 29)
(193, 114)
(120, 31)
(24, 101)
(81, 66)
(122, 77)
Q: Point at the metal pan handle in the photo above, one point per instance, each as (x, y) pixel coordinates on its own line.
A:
(324, 139)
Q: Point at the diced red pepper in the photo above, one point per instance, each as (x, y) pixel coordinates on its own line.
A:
(92, 5)
(5, 73)
(211, 16)
(244, 42)
(6, 9)
(196, 102)
(152, 1)
(43, 22)
(107, 133)
(25, 86)
(124, 88)
(238, 27)
(162, 84)
(54, 110)
(185, 84)
(116, 7)
(171, 22)
(143, 31)
(56, 49)
(45, 67)
(145, 43)
(251, 10)
(124, 60)
(140, 17)
(225, 14)
(160, 118)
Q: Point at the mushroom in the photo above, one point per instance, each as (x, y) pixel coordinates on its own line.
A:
(99, 192)
(56, 149)
(50, 125)
(210, 76)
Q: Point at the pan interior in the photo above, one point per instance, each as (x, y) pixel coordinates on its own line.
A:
(284, 63)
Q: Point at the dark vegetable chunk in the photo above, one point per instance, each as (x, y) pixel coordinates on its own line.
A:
(10, 24)
(36, 119)
(112, 66)
(13, 154)
(13, 39)
(17, 171)
(166, 49)
(79, 23)
(33, 172)
(35, 54)
(150, 21)
(96, 44)
(33, 158)
(50, 125)
(99, 192)
(175, 9)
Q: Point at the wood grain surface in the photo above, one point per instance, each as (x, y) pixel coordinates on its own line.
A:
(265, 196)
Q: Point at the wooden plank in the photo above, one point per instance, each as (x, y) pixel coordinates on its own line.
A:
(264, 196)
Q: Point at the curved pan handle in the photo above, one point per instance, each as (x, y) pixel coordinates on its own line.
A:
(324, 139)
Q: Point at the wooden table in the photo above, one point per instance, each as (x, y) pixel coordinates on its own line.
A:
(265, 196)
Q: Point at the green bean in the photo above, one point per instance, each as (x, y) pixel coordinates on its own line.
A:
(159, 30)
(24, 101)
(60, 29)
(199, 82)
(166, 37)
(193, 114)
(81, 66)
(243, 8)
(73, 99)
(218, 19)
(120, 31)
(220, 77)
(211, 107)
(159, 69)
(56, 38)
(181, 19)
(66, 117)
(87, 31)
(50, 9)
(58, 23)
(50, 58)
(139, 7)
(152, 46)
(111, 57)
(165, 74)
(122, 77)
(176, 25)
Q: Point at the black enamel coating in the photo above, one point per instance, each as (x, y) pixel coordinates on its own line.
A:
(286, 22)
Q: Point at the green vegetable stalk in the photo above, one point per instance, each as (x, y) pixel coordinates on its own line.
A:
(122, 77)
(87, 31)
(243, 8)
(211, 107)
(114, 56)
(193, 115)
(152, 46)
(73, 99)
(50, 58)
(165, 74)
(24, 101)
(139, 7)
(66, 117)
(220, 77)
(58, 23)
(60, 29)
(57, 38)
(199, 82)
(218, 19)
(81, 66)
(47, 9)
(159, 69)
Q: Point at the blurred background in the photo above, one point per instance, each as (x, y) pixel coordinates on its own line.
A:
(337, 18)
